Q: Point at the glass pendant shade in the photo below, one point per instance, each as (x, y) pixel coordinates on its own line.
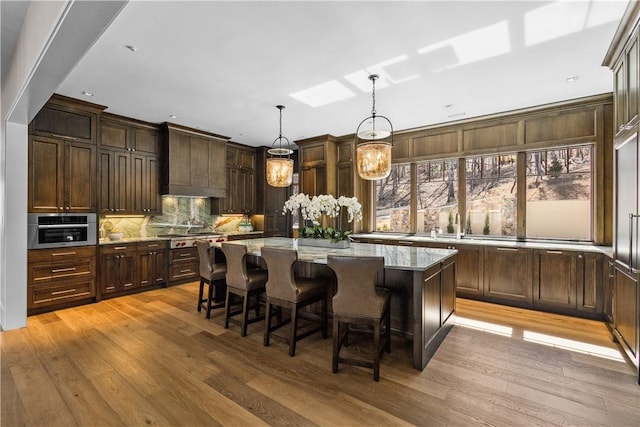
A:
(279, 169)
(373, 154)
(279, 172)
(373, 160)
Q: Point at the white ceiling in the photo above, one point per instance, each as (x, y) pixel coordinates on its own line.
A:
(223, 66)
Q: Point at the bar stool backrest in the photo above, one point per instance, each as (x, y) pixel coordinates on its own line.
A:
(236, 265)
(281, 283)
(357, 277)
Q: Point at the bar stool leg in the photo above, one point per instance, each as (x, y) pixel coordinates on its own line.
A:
(210, 300)
(227, 309)
(200, 294)
(336, 343)
(294, 328)
(245, 315)
(268, 324)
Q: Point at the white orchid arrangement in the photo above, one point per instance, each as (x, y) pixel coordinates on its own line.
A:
(312, 209)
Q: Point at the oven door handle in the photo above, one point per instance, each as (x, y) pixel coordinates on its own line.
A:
(45, 227)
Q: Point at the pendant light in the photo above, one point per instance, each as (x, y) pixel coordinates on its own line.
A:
(373, 150)
(279, 165)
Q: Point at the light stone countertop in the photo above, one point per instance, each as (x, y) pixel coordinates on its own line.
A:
(106, 241)
(476, 240)
(396, 257)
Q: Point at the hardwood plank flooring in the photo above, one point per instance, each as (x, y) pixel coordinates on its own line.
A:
(152, 359)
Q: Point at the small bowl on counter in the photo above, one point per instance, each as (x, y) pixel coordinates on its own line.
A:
(115, 236)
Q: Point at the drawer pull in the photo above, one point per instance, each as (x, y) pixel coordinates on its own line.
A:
(184, 255)
(62, 270)
(404, 242)
(68, 291)
(153, 246)
(554, 252)
(64, 253)
(507, 249)
(120, 248)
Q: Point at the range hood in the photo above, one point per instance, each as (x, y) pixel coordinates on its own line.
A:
(194, 162)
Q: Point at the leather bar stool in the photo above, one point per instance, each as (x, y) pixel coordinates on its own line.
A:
(245, 282)
(360, 300)
(285, 290)
(213, 274)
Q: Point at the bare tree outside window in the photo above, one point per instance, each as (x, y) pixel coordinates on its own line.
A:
(437, 195)
(491, 195)
(560, 193)
(393, 200)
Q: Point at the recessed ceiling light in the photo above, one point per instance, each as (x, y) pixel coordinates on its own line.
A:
(572, 79)
(85, 93)
(457, 115)
(448, 105)
(132, 48)
(173, 116)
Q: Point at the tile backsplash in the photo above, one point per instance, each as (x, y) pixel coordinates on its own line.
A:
(179, 215)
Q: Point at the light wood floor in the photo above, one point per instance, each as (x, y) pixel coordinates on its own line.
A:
(151, 359)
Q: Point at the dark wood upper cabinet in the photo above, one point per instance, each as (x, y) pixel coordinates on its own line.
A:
(68, 118)
(318, 165)
(241, 182)
(129, 175)
(62, 175)
(193, 162)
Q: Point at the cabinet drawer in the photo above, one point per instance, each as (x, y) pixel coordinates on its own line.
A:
(116, 248)
(182, 271)
(41, 273)
(57, 293)
(184, 255)
(62, 255)
(159, 245)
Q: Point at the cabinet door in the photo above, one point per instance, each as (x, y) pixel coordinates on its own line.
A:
(620, 95)
(160, 265)
(154, 201)
(145, 268)
(247, 190)
(114, 135)
(145, 140)
(608, 293)
(139, 184)
(590, 292)
(626, 311)
(507, 274)
(312, 180)
(80, 177)
(276, 225)
(632, 81)
(46, 175)
(109, 273)
(448, 304)
(554, 279)
(122, 182)
(127, 271)
(469, 280)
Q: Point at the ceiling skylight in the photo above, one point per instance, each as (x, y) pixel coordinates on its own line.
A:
(323, 94)
(477, 45)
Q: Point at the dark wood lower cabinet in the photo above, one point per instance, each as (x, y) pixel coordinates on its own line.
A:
(554, 278)
(626, 312)
(117, 268)
(183, 265)
(57, 278)
(153, 262)
(507, 275)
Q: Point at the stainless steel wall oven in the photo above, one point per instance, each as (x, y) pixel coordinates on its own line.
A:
(57, 230)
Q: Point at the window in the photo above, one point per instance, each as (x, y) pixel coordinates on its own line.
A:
(491, 195)
(393, 200)
(559, 193)
(437, 195)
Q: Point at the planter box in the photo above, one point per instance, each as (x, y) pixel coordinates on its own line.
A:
(323, 243)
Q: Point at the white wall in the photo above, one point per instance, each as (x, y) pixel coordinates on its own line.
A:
(55, 35)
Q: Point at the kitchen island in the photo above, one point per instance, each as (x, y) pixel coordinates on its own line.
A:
(422, 282)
